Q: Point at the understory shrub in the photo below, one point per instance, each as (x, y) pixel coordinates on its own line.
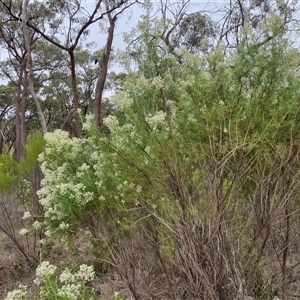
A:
(195, 190)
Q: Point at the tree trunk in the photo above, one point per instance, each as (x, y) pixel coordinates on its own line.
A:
(20, 113)
(29, 64)
(78, 128)
(103, 67)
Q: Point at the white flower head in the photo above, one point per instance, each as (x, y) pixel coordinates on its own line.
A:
(157, 119)
(157, 82)
(17, 294)
(66, 276)
(89, 123)
(85, 273)
(37, 225)
(111, 122)
(64, 225)
(45, 269)
(70, 291)
(23, 231)
(26, 215)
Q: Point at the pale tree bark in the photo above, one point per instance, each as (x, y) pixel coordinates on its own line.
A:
(30, 67)
(19, 102)
(103, 61)
(20, 112)
(12, 39)
(78, 127)
(103, 68)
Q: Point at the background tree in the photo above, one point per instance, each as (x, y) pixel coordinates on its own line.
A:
(44, 68)
(15, 70)
(79, 20)
(252, 13)
(6, 94)
(28, 45)
(113, 12)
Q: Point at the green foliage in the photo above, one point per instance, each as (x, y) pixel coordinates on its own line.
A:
(6, 93)
(8, 173)
(211, 153)
(64, 285)
(216, 108)
(35, 145)
(13, 173)
(196, 31)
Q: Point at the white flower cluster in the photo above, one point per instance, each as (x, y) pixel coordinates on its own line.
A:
(70, 291)
(155, 120)
(37, 225)
(85, 273)
(81, 170)
(72, 282)
(60, 141)
(64, 225)
(23, 231)
(45, 269)
(122, 100)
(76, 191)
(157, 82)
(26, 215)
(111, 122)
(62, 182)
(89, 123)
(52, 177)
(17, 294)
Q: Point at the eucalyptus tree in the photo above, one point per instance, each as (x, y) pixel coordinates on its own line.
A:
(7, 93)
(65, 24)
(239, 15)
(197, 32)
(113, 12)
(27, 42)
(56, 88)
(21, 67)
(169, 32)
(14, 69)
(78, 20)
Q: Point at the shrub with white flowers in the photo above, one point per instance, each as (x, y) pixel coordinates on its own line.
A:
(68, 285)
(183, 153)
